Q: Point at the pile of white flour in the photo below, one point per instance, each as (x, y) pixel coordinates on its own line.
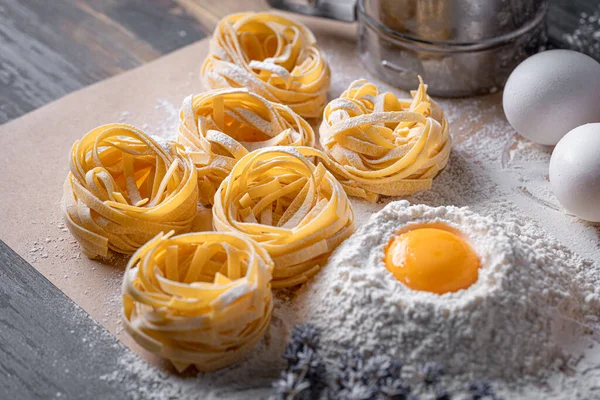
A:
(506, 325)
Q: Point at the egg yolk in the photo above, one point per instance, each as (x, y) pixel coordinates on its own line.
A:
(433, 260)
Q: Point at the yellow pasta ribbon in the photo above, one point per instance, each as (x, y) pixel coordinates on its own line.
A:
(221, 126)
(381, 145)
(294, 209)
(123, 188)
(200, 299)
(272, 56)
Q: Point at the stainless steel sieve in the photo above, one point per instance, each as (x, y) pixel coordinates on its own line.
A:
(459, 47)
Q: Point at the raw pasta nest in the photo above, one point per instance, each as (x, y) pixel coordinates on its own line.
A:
(221, 126)
(123, 188)
(198, 298)
(272, 56)
(295, 209)
(384, 145)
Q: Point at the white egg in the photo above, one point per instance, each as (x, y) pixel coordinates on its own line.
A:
(551, 93)
(575, 172)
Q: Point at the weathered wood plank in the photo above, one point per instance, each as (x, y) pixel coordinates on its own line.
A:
(50, 48)
(49, 347)
(162, 24)
(210, 12)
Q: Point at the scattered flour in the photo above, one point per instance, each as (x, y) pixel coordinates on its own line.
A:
(168, 126)
(586, 37)
(249, 379)
(499, 175)
(503, 326)
(496, 174)
(165, 129)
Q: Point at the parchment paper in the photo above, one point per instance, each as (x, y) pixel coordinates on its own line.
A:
(34, 163)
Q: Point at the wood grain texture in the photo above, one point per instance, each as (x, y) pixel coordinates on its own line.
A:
(49, 347)
(210, 12)
(50, 48)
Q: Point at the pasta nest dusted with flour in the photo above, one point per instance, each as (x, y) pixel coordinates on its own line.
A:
(272, 56)
(384, 145)
(123, 188)
(198, 298)
(221, 126)
(295, 209)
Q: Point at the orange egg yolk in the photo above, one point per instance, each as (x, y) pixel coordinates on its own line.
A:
(432, 260)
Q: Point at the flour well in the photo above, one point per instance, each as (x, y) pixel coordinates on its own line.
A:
(503, 326)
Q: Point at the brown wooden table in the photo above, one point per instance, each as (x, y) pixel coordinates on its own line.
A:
(49, 48)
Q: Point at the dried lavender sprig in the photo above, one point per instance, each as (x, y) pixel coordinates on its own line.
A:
(307, 335)
(374, 378)
(441, 393)
(291, 387)
(313, 365)
(396, 389)
(305, 373)
(431, 373)
(479, 390)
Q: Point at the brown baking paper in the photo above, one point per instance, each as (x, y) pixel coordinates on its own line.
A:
(35, 149)
(34, 164)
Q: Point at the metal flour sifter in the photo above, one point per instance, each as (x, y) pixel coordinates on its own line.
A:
(459, 47)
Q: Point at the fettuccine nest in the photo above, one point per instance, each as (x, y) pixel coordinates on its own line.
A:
(383, 145)
(123, 189)
(198, 298)
(272, 56)
(219, 127)
(293, 208)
